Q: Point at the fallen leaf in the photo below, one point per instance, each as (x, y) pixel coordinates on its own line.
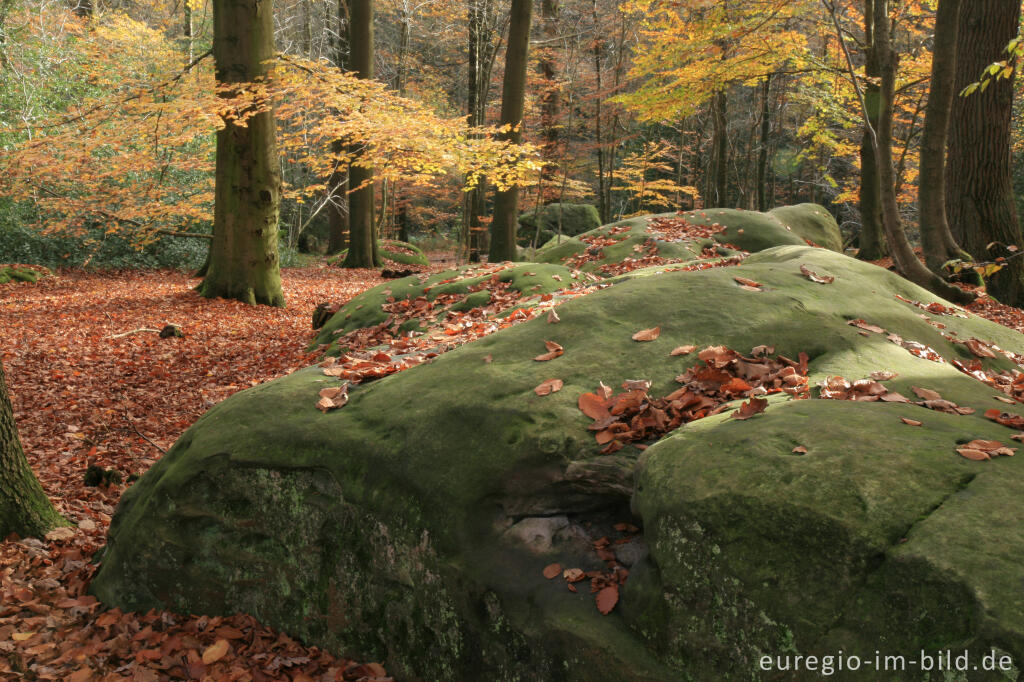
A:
(647, 334)
(552, 571)
(979, 348)
(573, 575)
(866, 326)
(883, 375)
(488, 359)
(593, 406)
(925, 393)
(970, 453)
(743, 281)
(910, 422)
(800, 450)
(548, 387)
(750, 408)
(553, 317)
(216, 651)
(607, 598)
(683, 350)
(811, 275)
(60, 533)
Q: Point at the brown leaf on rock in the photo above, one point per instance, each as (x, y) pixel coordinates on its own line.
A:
(976, 455)
(799, 450)
(573, 575)
(604, 392)
(552, 571)
(910, 422)
(647, 334)
(814, 277)
(607, 598)
(925, 393)
(861, 324)
(750, 408)
(548, 387)
(636, 384)
(1014, 421)
(979, 348)
(593, 406)
(553, 317)
(883, 375)
(683, 350)
(744, 282)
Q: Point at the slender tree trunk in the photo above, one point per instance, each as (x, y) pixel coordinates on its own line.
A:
(550, 97)
(762, 157)
(337, 183)
(603, 207)
(902, 252)
(721, 149)
(936, 239)
(243, 254)
(362, 242)
(24, 507)
(506, 202)
(872, 237)
(979, 188)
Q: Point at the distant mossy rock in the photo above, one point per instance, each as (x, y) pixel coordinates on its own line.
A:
(812, 222)
(15, 273)
(391, 250)
(575, 219)
(745, 230)
(412, 526)
(461, 288)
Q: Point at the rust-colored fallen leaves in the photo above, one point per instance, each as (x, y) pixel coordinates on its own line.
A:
(725, 375)
(83, 395)
(605, 583)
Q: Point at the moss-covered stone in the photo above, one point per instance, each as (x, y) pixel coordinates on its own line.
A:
(392, 252)
(811, 222)
(380, 529)
(573, 219)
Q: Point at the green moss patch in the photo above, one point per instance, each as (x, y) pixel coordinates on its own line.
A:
(22, 273)
(393, 252)
(393, 527)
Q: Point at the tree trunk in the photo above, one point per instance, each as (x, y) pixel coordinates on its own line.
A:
(979, 188)
(872, 237)
(762, 156)
(24, 507)
(721, 149)
(513, 91)
(936, 239)
(362, 239)
(243, 254)
(550, 96)
(902, 252)
(337, 183)
(475, 198)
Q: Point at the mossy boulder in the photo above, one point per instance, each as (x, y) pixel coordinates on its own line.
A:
(392, 251)
(575, 219)
(412, 525)
(811, 222)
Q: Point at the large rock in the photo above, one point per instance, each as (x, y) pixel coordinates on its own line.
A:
(813, 223)
(567, 219)
(412, 525)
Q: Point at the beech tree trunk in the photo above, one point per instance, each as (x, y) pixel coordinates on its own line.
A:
(337, 183)
(244, 262)
(513, 90)
(979, 188)
(721, 149)
(872, 238)
(362, 237)
(936, 239)
(24, 507)
(550, 96)
(902, 252)
(762, 154)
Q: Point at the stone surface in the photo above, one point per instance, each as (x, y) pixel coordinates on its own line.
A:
(384, 529)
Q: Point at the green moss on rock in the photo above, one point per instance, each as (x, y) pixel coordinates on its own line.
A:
(380, 529)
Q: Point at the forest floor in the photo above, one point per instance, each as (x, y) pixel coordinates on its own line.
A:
(91, 383)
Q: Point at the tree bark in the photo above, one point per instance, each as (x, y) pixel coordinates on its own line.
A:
(513, 91)
(550, 96)
(872, 237)
(244, 263)
(721, 147)
(362, 238)
(936, 239)
(979, 188)
(762, 156)
(902, 252)
(24, 507)
(337, 183)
